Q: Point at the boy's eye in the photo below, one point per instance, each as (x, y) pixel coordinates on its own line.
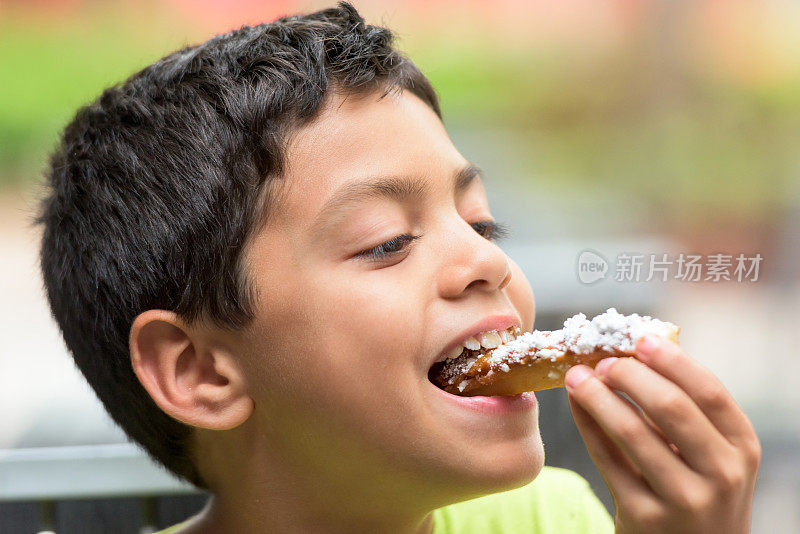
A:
(389, 248)
(491, 230)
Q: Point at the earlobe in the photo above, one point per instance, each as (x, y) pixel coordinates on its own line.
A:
(185, 374)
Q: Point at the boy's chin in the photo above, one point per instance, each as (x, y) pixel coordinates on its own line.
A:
(504, 469)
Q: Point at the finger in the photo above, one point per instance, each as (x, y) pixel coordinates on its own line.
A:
(620, 474)
(672, 411)
(650, 422)
(700, 384)
(663, 436)
(661, 468)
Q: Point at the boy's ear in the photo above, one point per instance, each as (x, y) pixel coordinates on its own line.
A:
(189, 378)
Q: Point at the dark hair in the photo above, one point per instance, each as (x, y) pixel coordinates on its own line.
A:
(157, 185)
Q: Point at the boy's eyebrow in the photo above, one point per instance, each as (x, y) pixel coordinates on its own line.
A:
(388, 187)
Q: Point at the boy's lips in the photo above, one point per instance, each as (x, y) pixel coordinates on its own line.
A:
(493, 322)
(497, 405)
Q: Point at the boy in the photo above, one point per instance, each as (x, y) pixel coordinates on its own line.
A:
(257, 247)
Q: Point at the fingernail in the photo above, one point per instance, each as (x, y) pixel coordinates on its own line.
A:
(576, 375)
(648, 344)
(601, 368)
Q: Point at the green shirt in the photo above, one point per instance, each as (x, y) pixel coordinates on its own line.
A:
(558, 501)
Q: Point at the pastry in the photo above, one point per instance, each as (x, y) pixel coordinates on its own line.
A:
(537, 360)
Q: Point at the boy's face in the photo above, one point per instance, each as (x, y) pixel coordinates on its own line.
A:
(338, 355)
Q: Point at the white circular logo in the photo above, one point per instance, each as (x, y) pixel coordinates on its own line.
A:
(592, 267)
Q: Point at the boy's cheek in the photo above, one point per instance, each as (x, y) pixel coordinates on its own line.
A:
(521, 295)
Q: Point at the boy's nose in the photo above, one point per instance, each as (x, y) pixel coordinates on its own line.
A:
(472, 261)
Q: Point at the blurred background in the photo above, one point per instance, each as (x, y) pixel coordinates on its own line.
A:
(638, 127)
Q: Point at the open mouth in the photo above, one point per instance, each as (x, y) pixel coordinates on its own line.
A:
(441, 373)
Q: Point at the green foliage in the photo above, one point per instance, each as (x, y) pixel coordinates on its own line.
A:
(47, 74)
(687, 142)
(591, 117)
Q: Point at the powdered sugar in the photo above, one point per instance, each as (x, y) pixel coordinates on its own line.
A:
(608, 331)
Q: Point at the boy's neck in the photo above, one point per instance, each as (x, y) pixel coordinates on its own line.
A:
(229, 518)
(264, 488)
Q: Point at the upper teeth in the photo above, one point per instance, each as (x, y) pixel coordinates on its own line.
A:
(487, 340)
(454, 352)
(472, 344)
(490, 340)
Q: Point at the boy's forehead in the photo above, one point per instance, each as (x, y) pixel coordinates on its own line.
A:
(357, 137)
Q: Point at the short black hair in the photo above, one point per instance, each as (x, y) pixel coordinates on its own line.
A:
(156, 186)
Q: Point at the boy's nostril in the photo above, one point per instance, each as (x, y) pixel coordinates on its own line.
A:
(474, 283)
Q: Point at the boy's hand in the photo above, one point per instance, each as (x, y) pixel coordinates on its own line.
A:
(689, 463)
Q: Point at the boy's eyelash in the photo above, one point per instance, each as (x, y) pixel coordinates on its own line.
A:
(389, 248)
(491, 230)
